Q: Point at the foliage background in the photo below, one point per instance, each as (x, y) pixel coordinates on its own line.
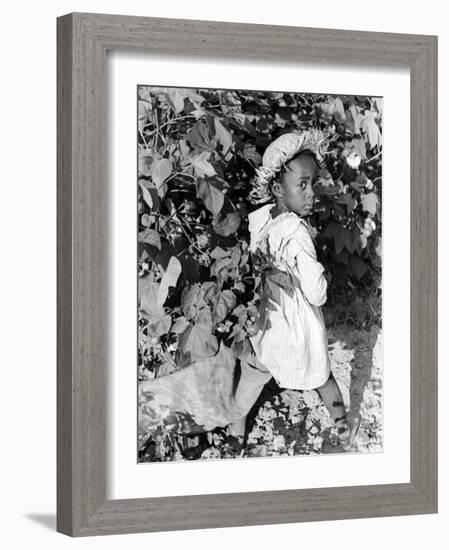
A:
(197, 150)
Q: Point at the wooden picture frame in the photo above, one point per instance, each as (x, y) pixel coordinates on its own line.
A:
(83, 40)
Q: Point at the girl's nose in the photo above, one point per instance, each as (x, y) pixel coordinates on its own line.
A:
(310, 192)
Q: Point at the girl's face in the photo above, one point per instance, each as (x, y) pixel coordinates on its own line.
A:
(295, 190)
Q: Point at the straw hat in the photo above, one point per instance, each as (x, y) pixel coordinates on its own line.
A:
(280, 151)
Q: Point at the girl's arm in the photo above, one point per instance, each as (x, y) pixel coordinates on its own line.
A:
(310, 271)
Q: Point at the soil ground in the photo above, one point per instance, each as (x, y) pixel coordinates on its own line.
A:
(289, 422)
(292, 422)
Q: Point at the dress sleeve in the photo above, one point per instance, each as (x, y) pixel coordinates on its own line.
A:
(300, 254)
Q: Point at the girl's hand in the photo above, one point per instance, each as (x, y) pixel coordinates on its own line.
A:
(251, 326)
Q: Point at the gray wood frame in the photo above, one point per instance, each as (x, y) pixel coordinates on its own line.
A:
(83, 40)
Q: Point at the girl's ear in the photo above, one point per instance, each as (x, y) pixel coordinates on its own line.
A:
(276, 189)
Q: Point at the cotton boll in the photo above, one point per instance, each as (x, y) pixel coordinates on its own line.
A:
(354, 160)
(369, 184)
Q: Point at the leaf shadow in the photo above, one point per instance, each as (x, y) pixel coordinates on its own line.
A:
(361, 373)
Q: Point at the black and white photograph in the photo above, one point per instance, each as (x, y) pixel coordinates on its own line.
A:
(231, 231)
(259, 273)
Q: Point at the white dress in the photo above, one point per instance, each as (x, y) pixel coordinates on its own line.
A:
(291, 339)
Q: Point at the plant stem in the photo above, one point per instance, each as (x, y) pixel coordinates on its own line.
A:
(373, 158)
(171, 122)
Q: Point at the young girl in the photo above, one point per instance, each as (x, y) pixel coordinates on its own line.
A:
(289, 337)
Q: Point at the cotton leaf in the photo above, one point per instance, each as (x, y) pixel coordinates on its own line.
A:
(191, 300)
(219, 265)
(241, 118)
(339, 242)
(225, 138)
(243, 349)
(369, 202)
(146, 195)
(363, 240)
(211, 196)
(218, 253)
(184, 148)
(202, 166)
(176, 98)
(147, 220)
(145, 161)
(160, 170)
(209, 289)
(328, 106)
(240, 286)
(370, 126)
(198, 137)
(356, 117)
(199, 341)
(193, 96)
(348, 200)
(339, 112)
(145, 92)
(143, 107)
(177, 95)
(378, 103)
(180, 325)
(379, 247)
(198, 113)
(148, 296)
(347, 238)
(204, 318)
(325, 178)
(250, 154)
(358, 146)
(169, 278)
(150, 236)
(225, 303)
(228, 225)
(357, 266)
(160, 327)
(148, 188)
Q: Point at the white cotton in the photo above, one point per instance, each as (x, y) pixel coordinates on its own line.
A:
(291, 339)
